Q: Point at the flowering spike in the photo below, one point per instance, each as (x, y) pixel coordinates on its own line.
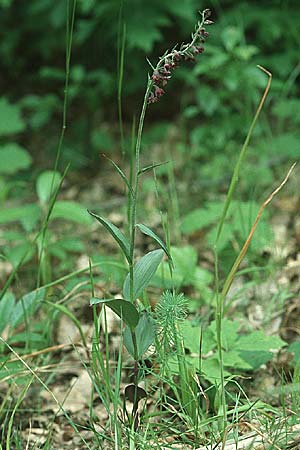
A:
(169, 61)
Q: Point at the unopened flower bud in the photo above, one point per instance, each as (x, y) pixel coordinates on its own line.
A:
(200, 49)
(158, 92)
(177, 56)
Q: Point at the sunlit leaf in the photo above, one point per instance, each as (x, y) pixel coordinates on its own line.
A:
(27, 305)
(13, 158)
(68, 210)
(145, 335)
(116, 234)
(46, 184)
(146, 230)
(11, 121)
(124, 309)
(143, 272)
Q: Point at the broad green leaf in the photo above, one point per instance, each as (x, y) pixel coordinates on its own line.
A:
(288, 141)
(13, 158)
(245, 52)
(13, 372)
(11, 121)
(27, 305)
(68, 210)
(143, 272)
(5, 187)
(201, 217)
(256, 359)
(231, 37)
(145, 335)
(116, 234)
(124, 309)
(234, 359)
(142, 34)
(102, 140)
(146, 230)
(229, 332)
(292, 348)
(35, 339)
(202, 281)
(191, 335)
(225, 238)
(243, 217)
(258, 341)
(46, 185)
(211, 370)
(19, 213)
(185, 263)
(287, 108)
(22, 252)
(71, 244)
(7, 305)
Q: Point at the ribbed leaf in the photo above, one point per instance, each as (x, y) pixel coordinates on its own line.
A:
(121, 173)
(143, 271)
(146, 230)
(69, 210)
(151, 167)
(115, 233)
(145, 335)
(26, 306)
(124, 309)
(46, 184)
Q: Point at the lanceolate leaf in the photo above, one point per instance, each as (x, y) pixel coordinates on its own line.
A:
(46, 185)
(124, 309)
(143, 271)
(121, 173)
(151, 167)
(116, 234)
(70, 210)
(26, 306)
(145, 335)
(146, 230)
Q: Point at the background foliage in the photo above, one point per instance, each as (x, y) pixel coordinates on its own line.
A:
(214, 99)
(198, 127)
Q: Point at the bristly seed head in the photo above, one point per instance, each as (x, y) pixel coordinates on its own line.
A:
(187, 52)
(170, 311)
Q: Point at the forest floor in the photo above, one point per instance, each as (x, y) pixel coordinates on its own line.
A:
(60, 372)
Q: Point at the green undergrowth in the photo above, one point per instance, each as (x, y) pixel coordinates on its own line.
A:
(162, 301)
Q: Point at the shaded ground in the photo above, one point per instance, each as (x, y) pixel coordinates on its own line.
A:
(62, 366)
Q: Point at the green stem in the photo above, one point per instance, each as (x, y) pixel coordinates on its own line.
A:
(236, 172)
(121, 54)
(69, 38)
(221, 297)
(135, 188)
(134, 183)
